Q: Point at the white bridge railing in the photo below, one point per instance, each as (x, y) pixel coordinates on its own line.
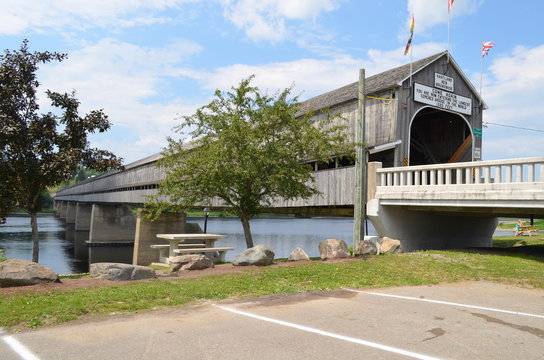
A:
(524, 170)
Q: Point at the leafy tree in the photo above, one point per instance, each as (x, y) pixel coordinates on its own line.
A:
(40, 150)
(247, 152)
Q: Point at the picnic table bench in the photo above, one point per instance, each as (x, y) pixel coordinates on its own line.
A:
(204, 241)
(164, 248)
(220, 250)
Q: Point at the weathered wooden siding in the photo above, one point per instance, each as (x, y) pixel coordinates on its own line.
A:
(380, 119)
(135, 197)
(380, 124)
(337, 186)
(147, 174)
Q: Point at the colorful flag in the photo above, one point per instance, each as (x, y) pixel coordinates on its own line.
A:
(409, 43)
(486, 46)
(450, 3)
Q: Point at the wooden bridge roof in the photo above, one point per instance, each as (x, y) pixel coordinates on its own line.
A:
(376, 83)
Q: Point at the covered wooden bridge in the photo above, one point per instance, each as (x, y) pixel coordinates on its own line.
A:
(424, 113)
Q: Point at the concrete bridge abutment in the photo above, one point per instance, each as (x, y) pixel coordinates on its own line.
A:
(146, 231)
(421, 230)
(111, 233)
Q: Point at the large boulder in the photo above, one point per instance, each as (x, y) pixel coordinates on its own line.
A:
(189, 262)
(298, 254)
(120, 272)
(390, 246)
(333, 249)
(369, 246)
(14, 272)
(259, 255)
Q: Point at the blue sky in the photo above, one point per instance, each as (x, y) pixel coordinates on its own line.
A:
(147, 62)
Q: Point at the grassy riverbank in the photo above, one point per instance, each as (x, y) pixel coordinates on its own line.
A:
(33, 309)
(510, 241)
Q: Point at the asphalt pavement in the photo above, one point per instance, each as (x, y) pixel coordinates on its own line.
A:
(469, 320)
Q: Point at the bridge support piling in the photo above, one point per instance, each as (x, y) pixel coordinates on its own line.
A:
(82, 229)
(111, 234)
(71, 209)
(62, 210)
(146, 231)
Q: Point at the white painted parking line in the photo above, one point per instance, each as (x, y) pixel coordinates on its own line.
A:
(329, 334)
(19, 348)
(446, 303)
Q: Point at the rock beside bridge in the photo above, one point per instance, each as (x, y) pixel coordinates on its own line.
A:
(374, 245)
(120, 272)
(259, 255)
(390, 246)
(298, 254)
(369, 246)
(14, 272)
(189, 262)
(333, 249)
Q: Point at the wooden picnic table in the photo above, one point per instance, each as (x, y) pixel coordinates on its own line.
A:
(175, 239)
(526, 228)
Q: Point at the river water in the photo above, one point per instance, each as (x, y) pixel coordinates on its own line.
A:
(281, 234)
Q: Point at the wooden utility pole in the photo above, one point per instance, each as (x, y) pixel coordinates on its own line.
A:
(359, 211)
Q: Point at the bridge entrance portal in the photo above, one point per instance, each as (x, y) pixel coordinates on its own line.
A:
(438, 136)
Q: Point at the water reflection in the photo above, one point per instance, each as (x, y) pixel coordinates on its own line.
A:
(55, 252)
(281, 234)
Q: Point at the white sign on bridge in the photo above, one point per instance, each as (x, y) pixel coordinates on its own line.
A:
(442, 99)
(443, 82)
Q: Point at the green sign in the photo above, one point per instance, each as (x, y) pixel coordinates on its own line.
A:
(477, 132)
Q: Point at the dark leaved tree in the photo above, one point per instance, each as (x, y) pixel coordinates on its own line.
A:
(40, 150)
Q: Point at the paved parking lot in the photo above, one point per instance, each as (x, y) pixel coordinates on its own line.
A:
(470, 320)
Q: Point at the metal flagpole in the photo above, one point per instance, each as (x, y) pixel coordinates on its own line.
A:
(450, 2)
(449, 46)
(481, 75)
(411, 60)
(486, 46)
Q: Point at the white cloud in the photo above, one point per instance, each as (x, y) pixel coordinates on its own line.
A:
(513, 90)
(260, 19)
(507, 143)
(267, 19)
(428, 13)
(123, 79)
(65, 15)
(311, 76)
(516, 84)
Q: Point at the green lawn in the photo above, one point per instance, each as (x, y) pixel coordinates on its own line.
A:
(510, 241)
(429, 267)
